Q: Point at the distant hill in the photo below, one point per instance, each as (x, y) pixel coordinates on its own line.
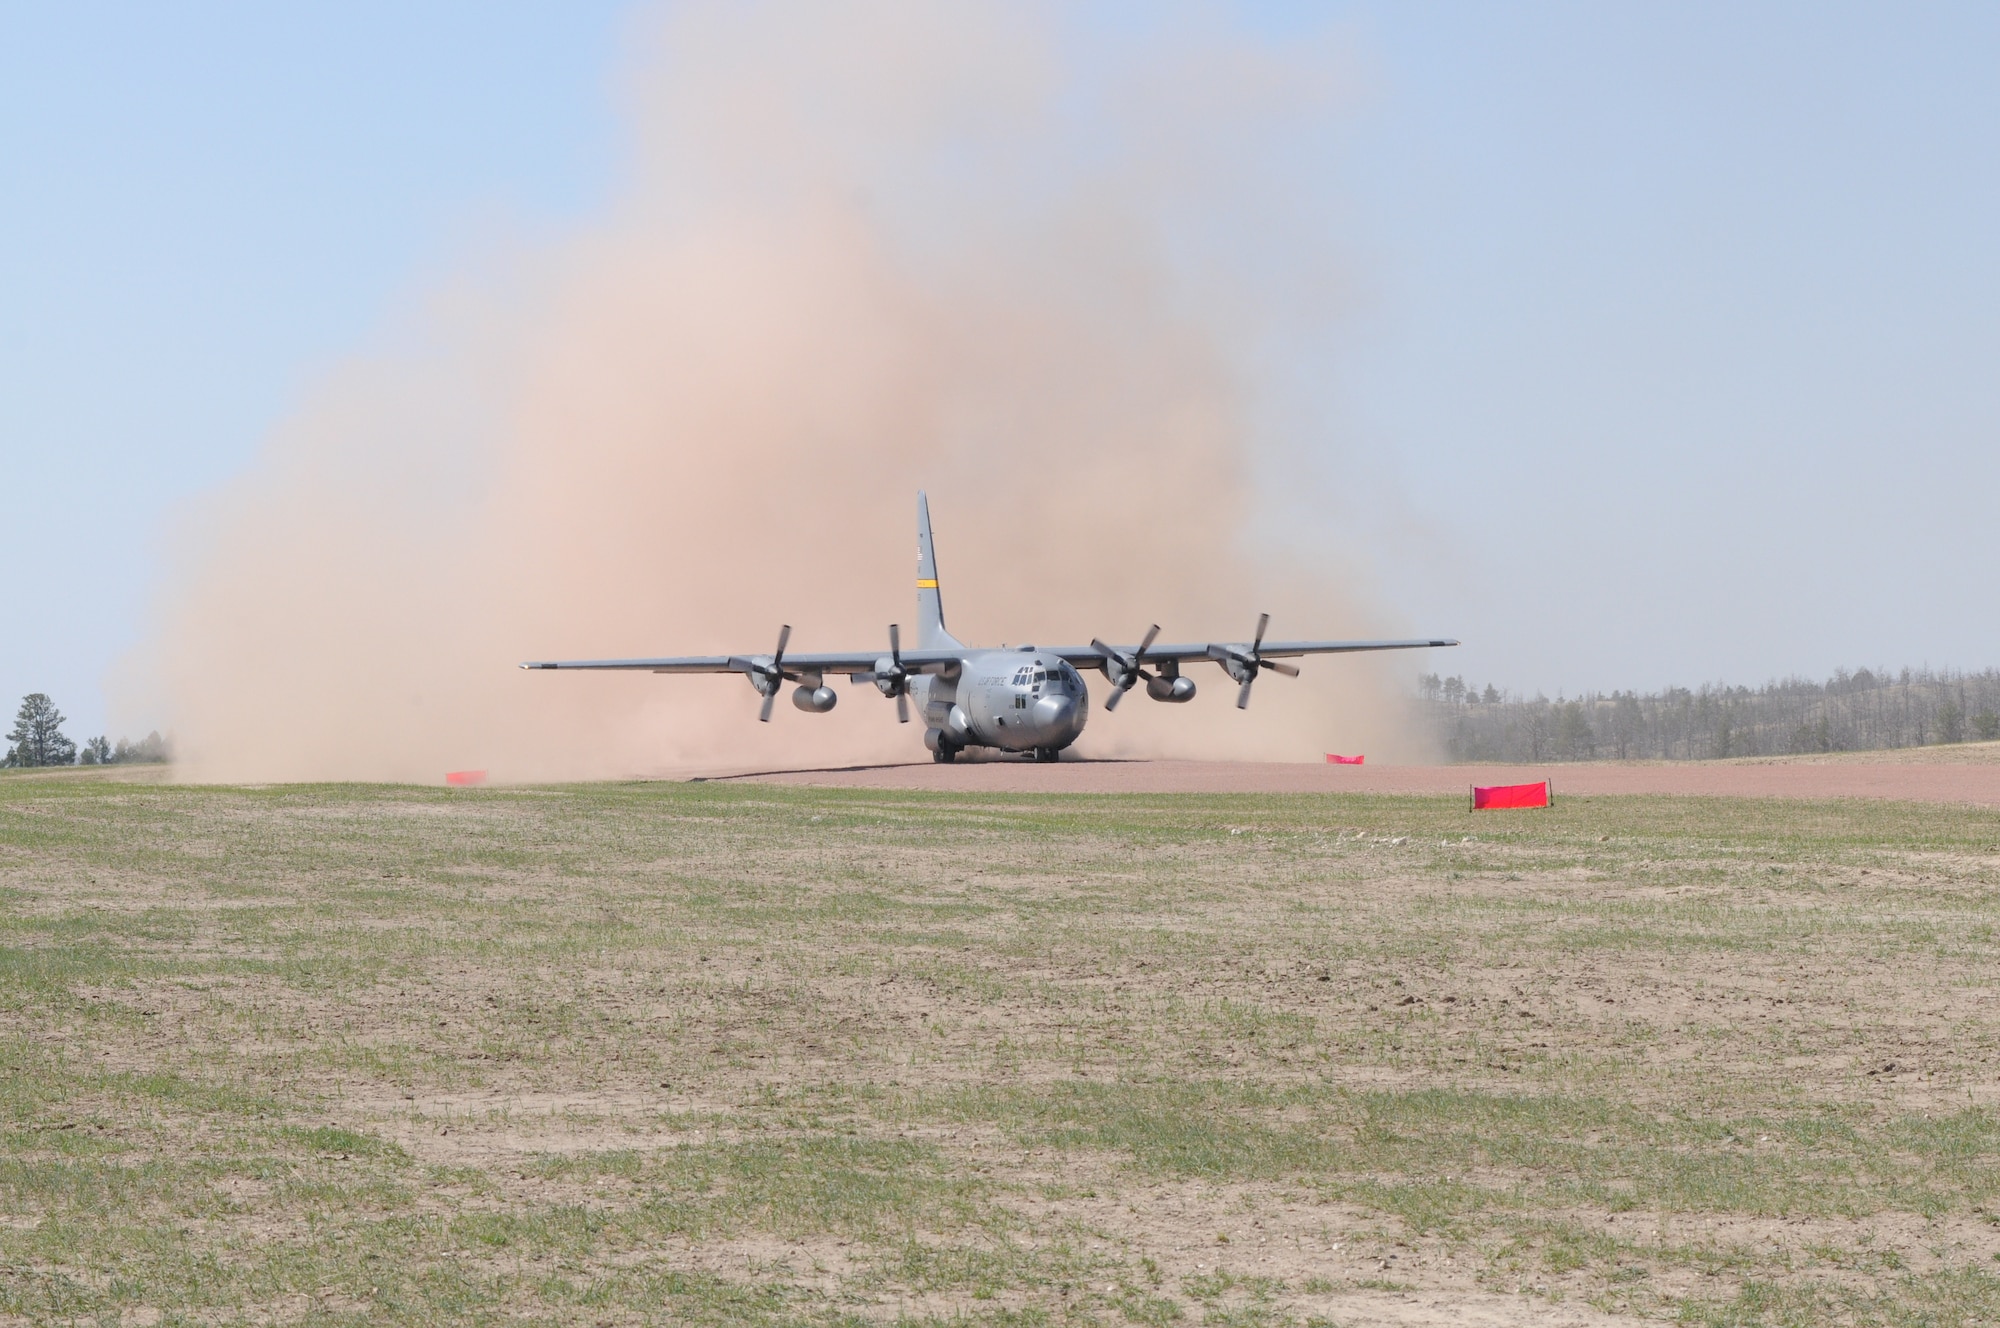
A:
(1867, 710)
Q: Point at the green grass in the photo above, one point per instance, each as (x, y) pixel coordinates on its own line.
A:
(720, 1054)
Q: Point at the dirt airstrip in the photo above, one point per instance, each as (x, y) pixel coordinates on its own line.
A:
(1968, 774)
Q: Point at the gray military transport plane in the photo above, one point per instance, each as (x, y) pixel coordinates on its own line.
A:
(1025, 699)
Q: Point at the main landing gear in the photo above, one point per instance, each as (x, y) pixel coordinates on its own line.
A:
(944, 753)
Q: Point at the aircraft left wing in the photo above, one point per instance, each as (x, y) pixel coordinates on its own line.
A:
(1125, 666)
(1093, 656)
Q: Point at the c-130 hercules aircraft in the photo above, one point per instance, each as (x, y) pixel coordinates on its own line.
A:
(1020, 699)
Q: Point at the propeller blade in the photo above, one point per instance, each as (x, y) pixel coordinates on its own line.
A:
(902, 708)
(784, 635)
(1116, 695)
(1263, 621)
(896, 644)
(1116, 667)
(1289, 670)
(1243, 697)
(764, 711)
(1146, 644)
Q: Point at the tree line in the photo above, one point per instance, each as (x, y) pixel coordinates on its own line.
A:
(38, 740)
(1866, 710)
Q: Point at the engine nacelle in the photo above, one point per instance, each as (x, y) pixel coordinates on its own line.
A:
(818, 700)
(1173, 690)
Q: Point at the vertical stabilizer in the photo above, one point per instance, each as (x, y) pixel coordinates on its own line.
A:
(931, 634)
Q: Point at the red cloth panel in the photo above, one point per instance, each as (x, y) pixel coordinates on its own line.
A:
(463, 778)
(1510, 795)
(1331, 759)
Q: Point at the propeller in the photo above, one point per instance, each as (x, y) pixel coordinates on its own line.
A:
(898, 676)
(1122, 669)
(889, 675)
(1245, 666)
(766, 675)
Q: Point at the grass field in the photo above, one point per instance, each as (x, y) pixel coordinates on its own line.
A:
(722, 1054)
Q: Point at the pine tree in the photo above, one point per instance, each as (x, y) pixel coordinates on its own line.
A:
(1628, 724)
(1575, 739)
(37, 737)
(151, 748)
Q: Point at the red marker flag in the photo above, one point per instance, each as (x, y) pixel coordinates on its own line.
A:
(1331, 759)
(465, 778)
(1498, 796)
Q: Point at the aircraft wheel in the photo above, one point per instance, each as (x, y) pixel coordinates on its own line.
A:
(1048, 753)
(945, 754)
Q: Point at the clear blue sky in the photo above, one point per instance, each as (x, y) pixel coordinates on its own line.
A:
(1673, 356)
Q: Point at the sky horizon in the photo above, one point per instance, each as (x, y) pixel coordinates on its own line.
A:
(1661, 353)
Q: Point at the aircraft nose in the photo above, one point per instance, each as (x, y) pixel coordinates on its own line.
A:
(1053, 711)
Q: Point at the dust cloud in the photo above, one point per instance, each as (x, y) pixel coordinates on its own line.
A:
(862, 249)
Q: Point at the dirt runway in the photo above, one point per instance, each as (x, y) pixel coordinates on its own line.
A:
(1901, 777)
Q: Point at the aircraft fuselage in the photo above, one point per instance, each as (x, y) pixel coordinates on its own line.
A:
(1015, 700)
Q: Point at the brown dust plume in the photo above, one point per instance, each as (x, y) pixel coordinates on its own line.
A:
(863, 249)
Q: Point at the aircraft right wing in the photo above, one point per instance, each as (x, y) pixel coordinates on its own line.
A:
(821, 661)
(767, 673)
